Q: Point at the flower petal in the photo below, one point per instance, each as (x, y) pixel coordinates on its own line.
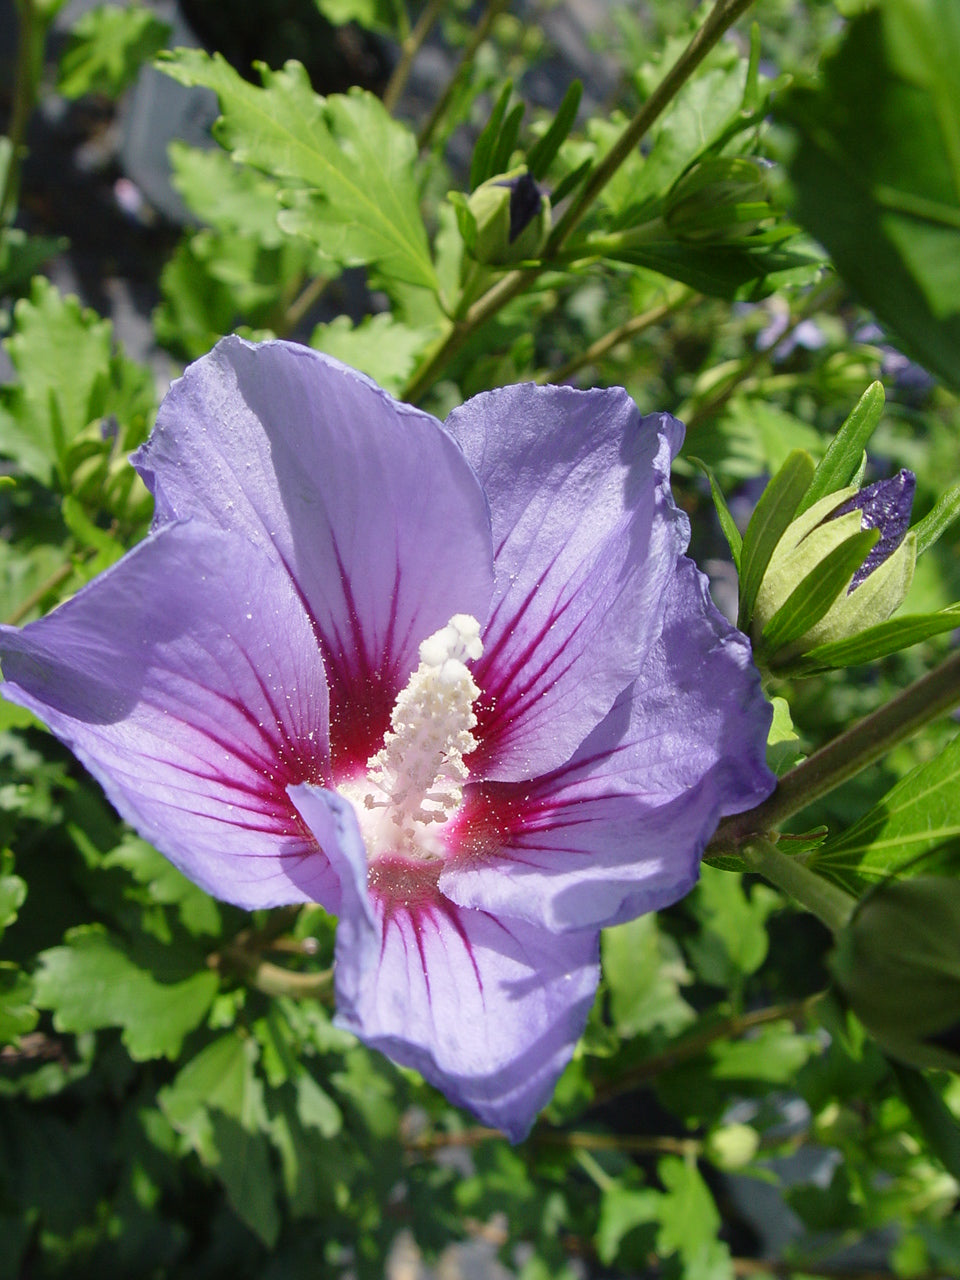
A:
(586, 537)
(368, 503)
(620, 829)
(189, 682)
(488, 1011)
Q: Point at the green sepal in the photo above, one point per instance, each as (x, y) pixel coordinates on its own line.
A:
(776, 508)
(878, 641)
(810, 601)
(839, 464)
(727, 522)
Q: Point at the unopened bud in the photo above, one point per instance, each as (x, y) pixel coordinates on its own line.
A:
(505, 220)
(898, 964)
(719, 199)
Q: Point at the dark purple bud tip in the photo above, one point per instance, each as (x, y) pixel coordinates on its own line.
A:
(886, 505)
(525, 200)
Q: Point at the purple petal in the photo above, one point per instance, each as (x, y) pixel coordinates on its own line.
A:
(586, 537)
(188, 680)
(885, 505)
(488, 1011)
(620, 829)
(367, 502)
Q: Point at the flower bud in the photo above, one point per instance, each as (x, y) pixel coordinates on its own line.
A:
(873, 592)
(720, 199)
(505, 220)
(898, 964)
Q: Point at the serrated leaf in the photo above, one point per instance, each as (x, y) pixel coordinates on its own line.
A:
(733, 939)
(727, 522)
(839, 464)
(107, 47)
(17, 1012)
(879, 641)
(162, 883)
(544, 151)
(378, 346)
(91, 982)
(352, 167)
(216, 1102)
(621, 1210)
(876, 171)
(772, 1054)
(776, 508)
(225, 194)
(70, 377)
(809, 601)
(920, 814)
(374, 15)
(643, 972)
(689, 1220)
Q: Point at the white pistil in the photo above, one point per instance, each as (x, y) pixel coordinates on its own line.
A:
(414, 782)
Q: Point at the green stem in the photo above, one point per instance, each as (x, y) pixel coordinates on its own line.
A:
(29, 48)
(831, 905)
(724, 14)
(846, 756)
(597, 350)
(409, 48)
(481, 31)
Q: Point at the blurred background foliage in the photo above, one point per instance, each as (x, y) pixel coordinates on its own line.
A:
(786, 234)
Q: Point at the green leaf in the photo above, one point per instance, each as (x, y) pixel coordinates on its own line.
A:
(876, 171)
(374, 15)
(621, 1210)
(736, 272)
(839, 464)
(727, 523)
(91, 982)
(481, 164)
(783, 742)
(879, 641)
(643, 972)
(351, 169)
(776, 508)
(13, 891)
(689, 1220)
(379, 346)
(70, 378)
(936, 522)
(544, 151)
(921, 813)
(22, 256)
(809, 601)
(160, 882)
(216, 1102)
(107, 47)
(225, 194)
(507, 141)
(17, 1013)
(937, 1122)
(773, 1055)
(733, 939)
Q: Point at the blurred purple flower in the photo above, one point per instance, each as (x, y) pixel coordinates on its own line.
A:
(286, 689)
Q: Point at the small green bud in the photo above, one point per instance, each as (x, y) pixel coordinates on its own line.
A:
(732, 1146)
(898, 964)
(721, 199)
(871, 592)
(505, 220)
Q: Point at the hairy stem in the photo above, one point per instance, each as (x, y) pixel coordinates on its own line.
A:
(846, 756)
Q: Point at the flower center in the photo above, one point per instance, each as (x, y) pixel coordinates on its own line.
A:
(414, 782)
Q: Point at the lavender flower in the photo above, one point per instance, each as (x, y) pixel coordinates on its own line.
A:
(459, 685)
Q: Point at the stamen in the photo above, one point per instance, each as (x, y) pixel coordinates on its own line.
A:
(414, 781)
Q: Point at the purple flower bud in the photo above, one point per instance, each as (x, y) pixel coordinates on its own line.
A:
(526, 200)
(885, 505)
